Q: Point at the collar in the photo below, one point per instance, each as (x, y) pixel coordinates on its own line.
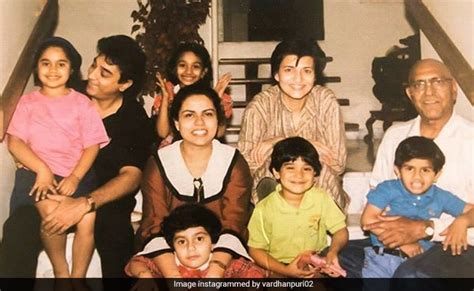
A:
(447, 129)
(213, 178)
(306, 203)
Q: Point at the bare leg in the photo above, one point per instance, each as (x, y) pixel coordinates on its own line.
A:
(83, 246)
(54, 245)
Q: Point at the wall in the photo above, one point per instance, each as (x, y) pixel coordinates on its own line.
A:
(356, 32)
(457, 19)
(17, 19)
(84, 22)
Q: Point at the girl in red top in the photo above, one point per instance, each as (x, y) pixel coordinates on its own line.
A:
(189, 64)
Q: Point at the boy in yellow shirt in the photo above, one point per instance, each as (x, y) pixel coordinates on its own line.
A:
(294, 220)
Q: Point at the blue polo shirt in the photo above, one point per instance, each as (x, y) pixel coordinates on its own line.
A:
(430, 204)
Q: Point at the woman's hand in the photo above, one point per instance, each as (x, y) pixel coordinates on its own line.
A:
(68, 185)
(44, 184)
(222, 83)
(326, 156)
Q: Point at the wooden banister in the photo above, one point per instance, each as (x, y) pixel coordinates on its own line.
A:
(444, 46)
(13, 90)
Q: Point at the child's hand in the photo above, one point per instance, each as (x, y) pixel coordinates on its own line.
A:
(412, 250)
(456, 235)
(292, 270)
(331, 261)
(68, 185)
(44, 183)
(222, 84)
(162, 84)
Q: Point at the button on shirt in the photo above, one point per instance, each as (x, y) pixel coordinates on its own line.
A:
(431, 204)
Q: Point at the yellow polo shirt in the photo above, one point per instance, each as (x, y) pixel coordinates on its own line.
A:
(285, 231)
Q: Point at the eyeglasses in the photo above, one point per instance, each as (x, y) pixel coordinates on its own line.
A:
(435, 83)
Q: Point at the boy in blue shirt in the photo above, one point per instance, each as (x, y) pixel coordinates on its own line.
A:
(418, 164)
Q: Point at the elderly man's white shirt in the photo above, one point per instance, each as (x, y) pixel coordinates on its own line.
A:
(456, 140)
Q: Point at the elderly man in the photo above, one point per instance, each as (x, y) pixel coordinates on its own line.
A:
(115, 78)
(433, 91)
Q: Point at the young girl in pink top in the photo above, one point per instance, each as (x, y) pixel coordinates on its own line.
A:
(190, 63)
(55, 134)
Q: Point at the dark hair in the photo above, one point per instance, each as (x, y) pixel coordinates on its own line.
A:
(300, 48)
(124, 52)
(418, 147)
(71, 53)
(200, 51)
(190, 215)
(292, 148)
(194, 89)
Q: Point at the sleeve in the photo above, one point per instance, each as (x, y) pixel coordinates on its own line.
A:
(134, 142)
(334, 219)
(235, 208)
(19, 123)
(91, 127)
(259, 230)
(335, 134)
(383, 167)
(452, 204)
(155, 208)
(380, 196)
(252, 131)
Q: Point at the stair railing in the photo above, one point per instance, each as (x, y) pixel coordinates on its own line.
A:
(44, 27)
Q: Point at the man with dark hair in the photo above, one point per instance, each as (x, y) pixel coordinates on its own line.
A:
(295, 106)
(114, 81)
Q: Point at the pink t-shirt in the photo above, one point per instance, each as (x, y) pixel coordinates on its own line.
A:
(58, 129)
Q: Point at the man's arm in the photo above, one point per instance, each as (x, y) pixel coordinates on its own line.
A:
(70, 210)
(399, 231)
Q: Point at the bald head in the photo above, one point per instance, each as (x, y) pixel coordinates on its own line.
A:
(429, 64)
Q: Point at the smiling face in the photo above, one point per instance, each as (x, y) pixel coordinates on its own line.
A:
(296, 79)
(197, 120)
(296, 177)
(54, 69)
(417, 175)
(193, 246)
(433, 103)
(189, 69)
(103, 80)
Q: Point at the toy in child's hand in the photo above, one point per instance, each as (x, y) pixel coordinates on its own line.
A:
(320, 263)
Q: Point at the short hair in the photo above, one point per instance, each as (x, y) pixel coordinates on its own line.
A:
(194, 89)
(300, 48)
(71, 53)
(200, 51)
(190, 215)
(124, 52)
(292, 148)
(418, 147)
